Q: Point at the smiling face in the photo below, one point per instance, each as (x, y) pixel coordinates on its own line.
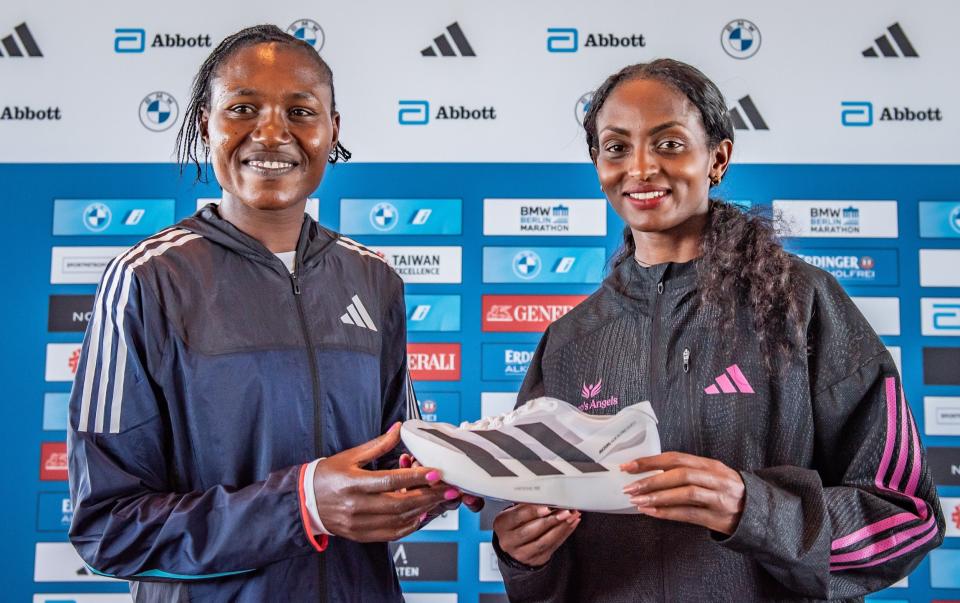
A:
(652, 157)
(270, 125)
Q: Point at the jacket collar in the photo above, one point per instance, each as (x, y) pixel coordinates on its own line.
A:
(632, 281)
(208, 223)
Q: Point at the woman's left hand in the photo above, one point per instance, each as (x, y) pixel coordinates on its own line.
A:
(691, 489)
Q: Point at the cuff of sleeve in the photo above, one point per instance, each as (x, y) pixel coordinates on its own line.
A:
(751, 532)
(510, 562)
(312, 526)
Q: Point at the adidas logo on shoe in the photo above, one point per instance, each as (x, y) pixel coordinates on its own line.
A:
(545, 452)
(730, 382)
(357, 315)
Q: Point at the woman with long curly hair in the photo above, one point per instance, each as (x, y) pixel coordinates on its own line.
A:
(793, 469)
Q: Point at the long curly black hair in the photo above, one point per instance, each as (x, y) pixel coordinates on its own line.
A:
(189, 144)
(740, 250)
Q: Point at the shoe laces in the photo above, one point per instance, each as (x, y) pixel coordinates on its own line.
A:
(498, 421)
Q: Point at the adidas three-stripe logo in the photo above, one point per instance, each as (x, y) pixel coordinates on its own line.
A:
(886, 47)
(442, 43)
(731, 382)
(750, 110)
(11, 48)
(357, 315)
(485, 457)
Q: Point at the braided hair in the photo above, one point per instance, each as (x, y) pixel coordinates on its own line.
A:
(188, 138)
(740, 250)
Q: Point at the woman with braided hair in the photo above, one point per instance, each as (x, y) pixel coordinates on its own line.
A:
(232, 438)
(793, 469)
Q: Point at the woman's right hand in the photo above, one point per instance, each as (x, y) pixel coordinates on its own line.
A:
(374, 506)
(531, 533)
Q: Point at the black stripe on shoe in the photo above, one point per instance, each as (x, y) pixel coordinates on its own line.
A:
(519, 451)
(478, 455)
(561, 447)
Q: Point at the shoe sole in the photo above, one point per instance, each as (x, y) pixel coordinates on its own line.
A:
(563, 491)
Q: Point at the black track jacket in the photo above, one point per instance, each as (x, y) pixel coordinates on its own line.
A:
(839, 500)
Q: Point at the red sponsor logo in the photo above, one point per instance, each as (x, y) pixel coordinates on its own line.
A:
(525, 313)
(74, 361)
(53, 461)
(434, 361)
(956, 516)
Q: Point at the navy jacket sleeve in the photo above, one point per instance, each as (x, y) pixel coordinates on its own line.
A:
(131, 519)
(868, 511)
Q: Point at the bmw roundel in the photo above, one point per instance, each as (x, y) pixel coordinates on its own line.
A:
(309, 31)
(740, 39)
(383, 216)
(96, 217)
(955, 218)
(526, 264)
(159, 111)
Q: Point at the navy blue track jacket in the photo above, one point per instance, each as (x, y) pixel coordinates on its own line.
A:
(210, 376)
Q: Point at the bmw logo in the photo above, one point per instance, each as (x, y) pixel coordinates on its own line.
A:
(583, 105)
(740, 39)
(309, 31)
(526, 265)
(383, 216)
(867, 263)
(158, 111)
(96, 217)
(955, 218)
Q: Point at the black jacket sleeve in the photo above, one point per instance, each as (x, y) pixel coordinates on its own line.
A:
(865, 515)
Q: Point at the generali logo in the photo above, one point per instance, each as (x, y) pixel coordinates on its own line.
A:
(525, 313)
(434, 361)
(53, 461)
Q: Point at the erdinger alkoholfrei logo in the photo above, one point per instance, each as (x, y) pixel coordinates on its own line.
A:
(894, 36)
(740, 39)
(96, 217)
(384, 216)
(527, 264)
(449, 43)
(582, 107)
(589, 392)
(309, 31)
(27, 44)
(159, 111)
(748, 108)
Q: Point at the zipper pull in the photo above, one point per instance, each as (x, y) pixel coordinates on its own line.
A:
(295, 283)
(660, 287)
(686, 360)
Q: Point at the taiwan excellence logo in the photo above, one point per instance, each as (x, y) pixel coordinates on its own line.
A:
(740, 39)
(384, 216)
(159, 111)
(96, 217)
(309, 31)
(527, 264)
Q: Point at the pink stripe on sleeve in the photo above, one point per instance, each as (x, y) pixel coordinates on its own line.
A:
(903, 447)
(874, 528)
(882, 545)
(891, 386)
(933, 532)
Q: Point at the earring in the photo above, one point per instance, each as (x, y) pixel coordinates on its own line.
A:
(714, 180)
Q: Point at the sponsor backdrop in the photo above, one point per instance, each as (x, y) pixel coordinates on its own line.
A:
(470, 177)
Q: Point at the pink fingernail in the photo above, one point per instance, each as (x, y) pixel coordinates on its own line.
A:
(433, 476)
(404, 462)
(451, 494)
(423, 517)
(394, 427)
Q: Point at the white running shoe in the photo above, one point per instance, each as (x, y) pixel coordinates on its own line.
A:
(545, 452)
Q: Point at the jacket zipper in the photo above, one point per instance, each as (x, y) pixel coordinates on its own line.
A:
(654, 341)
(315, 379)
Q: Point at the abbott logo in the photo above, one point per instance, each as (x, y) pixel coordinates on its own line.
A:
(856, 113)
(129, 40)
(413, 113)
(562, 39)
(941, 316)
